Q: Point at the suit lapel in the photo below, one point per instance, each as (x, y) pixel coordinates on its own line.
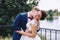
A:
(26, 17)
(24, 21)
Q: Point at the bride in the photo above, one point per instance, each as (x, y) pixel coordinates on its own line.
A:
(32, 27)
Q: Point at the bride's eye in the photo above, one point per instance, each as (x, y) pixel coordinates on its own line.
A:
(38, 15)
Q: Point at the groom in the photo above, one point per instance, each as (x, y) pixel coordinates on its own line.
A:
(21, 20)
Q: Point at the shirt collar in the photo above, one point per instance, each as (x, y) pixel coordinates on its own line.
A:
(28, 14)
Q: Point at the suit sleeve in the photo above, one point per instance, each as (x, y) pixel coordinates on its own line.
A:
(16, 22)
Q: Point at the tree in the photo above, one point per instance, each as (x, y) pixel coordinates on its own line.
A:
(10, 8)
(56, 12)
(50, 12)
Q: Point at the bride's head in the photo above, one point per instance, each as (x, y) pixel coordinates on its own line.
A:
(40, 15)
(37, 15)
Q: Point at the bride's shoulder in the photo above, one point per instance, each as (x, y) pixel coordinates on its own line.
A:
(33, 22)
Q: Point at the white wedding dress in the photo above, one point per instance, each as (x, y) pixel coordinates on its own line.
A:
(24, 37)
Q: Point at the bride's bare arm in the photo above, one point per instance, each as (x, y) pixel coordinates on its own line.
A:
(28, 31)
(33, 34)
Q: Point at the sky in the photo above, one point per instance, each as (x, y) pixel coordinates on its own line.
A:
(49, 4)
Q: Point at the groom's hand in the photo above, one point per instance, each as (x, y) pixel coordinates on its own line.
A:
(20, 31)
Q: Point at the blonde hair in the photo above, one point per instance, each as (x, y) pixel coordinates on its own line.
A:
(35, 10)
(36, 7)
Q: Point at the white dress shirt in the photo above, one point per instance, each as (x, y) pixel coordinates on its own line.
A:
(29, 16)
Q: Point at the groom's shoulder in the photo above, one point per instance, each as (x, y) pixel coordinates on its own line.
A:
(24, 13)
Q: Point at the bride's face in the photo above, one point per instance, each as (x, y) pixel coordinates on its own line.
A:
(38, 16)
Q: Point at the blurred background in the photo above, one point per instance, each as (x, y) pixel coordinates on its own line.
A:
(49, 28)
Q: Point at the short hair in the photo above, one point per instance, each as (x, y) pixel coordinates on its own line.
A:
(44, 15)
(36, 8)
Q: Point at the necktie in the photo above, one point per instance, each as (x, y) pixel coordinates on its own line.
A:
(30, 18)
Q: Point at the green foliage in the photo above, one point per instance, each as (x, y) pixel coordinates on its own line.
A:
(10, 8)
(43, 38)
(52, 13)
(5, 30)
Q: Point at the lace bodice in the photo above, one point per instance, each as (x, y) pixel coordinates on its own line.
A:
(33, 22)
(28, 25)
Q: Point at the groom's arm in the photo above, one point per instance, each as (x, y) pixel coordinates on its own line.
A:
(16, 22)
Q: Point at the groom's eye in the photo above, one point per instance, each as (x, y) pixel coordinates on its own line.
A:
(37, 10)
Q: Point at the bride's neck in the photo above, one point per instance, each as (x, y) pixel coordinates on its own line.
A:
(36, 19)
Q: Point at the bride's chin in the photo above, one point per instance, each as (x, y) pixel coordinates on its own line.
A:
(37, 19)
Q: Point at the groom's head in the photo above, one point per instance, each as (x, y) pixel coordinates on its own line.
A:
(34, 10)
(41, 13)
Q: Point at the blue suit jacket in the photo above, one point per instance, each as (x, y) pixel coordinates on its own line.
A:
(20, 22)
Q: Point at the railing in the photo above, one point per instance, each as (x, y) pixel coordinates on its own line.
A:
(45, 33)
(49, 34)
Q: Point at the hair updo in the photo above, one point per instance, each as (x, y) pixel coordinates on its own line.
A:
(44, 15)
